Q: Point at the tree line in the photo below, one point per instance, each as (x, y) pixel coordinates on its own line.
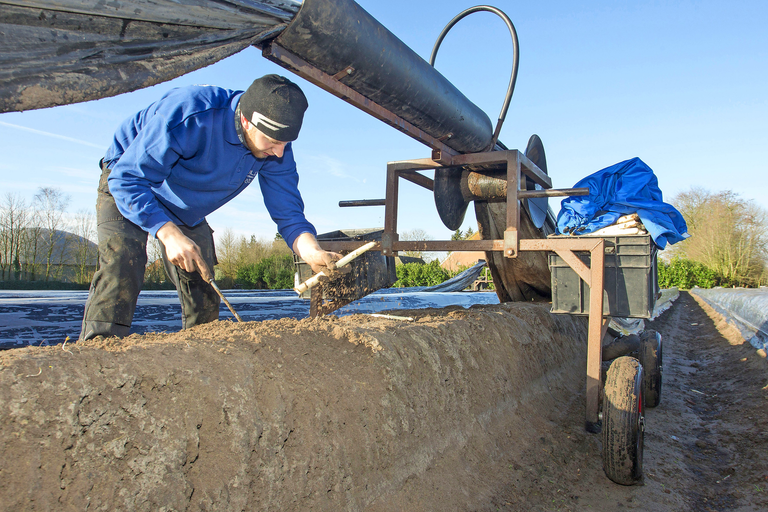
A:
(728, 244)
(255, 263)
(40, 242)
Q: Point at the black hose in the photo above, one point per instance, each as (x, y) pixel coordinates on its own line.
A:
(515, 57)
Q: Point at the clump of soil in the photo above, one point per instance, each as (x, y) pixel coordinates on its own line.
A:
(478, 409)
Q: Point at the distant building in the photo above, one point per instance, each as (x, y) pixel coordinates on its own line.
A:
(402, 260)
(463, 259)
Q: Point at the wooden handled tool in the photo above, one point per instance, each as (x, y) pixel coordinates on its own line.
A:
(207, 275)
(315, 279)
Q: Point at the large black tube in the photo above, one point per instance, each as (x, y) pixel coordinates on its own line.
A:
(333, 35)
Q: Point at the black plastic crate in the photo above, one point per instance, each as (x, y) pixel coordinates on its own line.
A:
(369, 272)
(631, 279)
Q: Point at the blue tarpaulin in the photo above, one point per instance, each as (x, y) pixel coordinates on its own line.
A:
(624, 188)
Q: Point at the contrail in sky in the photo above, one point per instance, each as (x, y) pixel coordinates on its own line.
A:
(54, 135)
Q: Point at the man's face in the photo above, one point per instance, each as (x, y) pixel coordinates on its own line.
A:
(259, 143)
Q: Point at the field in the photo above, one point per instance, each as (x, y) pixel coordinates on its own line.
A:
(461, 409)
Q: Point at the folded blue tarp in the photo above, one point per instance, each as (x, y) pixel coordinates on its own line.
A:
(624, 188)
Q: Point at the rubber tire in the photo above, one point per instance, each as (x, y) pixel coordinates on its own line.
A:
(652, 361)
(623, 422)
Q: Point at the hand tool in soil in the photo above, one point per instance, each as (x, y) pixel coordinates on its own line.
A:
(315, 279)
(207, 276)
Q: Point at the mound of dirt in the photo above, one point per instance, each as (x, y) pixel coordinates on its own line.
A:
(479, 409)
(354, 413)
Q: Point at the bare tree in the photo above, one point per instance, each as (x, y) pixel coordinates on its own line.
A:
(226, 253)
(414, 235)
(85, 251)
(728, 234)
(14, 217)
(51, 203)
(155, 272)
(32, 244)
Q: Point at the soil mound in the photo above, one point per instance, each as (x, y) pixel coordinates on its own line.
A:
(328, 414)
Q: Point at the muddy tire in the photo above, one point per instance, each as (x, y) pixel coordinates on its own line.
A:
(623, 422)
(651, 359)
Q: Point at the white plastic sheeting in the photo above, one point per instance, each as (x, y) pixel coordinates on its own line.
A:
(47, 317)
(746, 308)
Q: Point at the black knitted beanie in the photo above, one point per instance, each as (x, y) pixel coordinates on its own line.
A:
(276, 106)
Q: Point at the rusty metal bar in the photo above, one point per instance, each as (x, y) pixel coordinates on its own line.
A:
(560, 242)
(452, 160)
(362, 202)
(276, 53)
(419, 179)
(532, 170)
(422, 245)
(417, 164)
(480, 186)
(513, 205)
(553, 192)
(595, 336)
(548, 244)
(389, 237)
(576, 264)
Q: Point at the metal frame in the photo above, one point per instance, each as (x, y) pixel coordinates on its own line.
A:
(516, 165)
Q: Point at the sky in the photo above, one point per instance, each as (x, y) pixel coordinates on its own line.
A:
(680, 84)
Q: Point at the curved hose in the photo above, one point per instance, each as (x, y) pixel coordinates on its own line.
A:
(515, 57)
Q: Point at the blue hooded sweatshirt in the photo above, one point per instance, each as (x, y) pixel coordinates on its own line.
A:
(181, 158)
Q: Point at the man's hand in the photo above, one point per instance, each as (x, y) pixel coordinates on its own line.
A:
(180, 250)
(309, 250)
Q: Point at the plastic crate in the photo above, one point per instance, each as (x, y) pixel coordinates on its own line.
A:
(631, 279)
(370, 271)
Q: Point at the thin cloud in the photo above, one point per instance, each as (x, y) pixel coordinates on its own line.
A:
(53, 135)
(329, 166)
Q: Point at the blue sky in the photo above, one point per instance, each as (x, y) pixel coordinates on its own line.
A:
(680, 84)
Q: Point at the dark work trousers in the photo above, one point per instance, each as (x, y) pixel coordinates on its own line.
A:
(120, 273)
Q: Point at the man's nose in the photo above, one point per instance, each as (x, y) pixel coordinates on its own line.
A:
(278, 150)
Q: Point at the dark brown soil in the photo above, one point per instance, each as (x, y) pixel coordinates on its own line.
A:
(479, 409)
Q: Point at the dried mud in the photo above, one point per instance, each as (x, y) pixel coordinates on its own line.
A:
(477, 409)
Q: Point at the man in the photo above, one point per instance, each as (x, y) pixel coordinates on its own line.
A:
(172, 164)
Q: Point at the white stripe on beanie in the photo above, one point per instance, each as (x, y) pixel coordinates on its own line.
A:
(257, 118)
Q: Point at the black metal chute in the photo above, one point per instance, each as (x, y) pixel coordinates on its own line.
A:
(56, 52)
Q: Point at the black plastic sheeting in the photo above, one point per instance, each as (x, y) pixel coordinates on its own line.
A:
(459, 282)
(56, 52)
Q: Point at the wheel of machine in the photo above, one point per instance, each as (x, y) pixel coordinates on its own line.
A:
(651, 359)
(623, 421)
(526, 277)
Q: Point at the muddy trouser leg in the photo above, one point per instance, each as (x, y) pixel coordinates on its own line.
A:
(120, 273)
(199, 301)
